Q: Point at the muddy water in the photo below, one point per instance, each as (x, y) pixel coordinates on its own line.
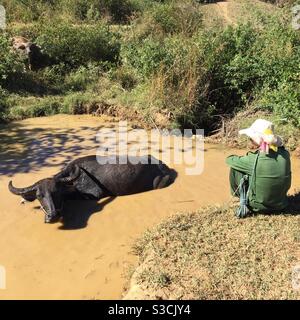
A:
(84, 257)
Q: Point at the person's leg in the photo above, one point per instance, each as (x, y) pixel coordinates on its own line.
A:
(235, 178)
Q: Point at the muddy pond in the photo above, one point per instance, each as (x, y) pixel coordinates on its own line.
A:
(87, 255)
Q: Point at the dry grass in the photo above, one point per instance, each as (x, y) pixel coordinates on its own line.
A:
(228, 132)
(211, 254)
(232, 12)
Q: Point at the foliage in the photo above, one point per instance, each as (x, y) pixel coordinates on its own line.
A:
(173, 17)
(3, 104)
(78, 45)
(116, 11)
(148, 55)
(246, 64)
(9, 61)
(164, 64)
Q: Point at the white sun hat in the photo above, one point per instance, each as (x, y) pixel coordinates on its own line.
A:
(262, 131)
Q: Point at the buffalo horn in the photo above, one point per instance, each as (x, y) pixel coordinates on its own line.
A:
(21, 191)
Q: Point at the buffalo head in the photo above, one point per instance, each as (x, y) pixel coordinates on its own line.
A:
(50, 192)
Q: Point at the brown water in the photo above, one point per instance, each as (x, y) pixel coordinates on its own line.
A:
(85, 258)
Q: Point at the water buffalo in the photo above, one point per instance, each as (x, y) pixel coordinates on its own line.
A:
(94, 177)
(33, 53)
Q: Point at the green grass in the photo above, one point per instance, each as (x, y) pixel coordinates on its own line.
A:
(210, 254)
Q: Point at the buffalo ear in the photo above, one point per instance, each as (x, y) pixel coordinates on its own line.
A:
(71, 177)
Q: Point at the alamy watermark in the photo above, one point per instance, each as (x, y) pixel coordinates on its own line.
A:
(296, 277)
(2, 278)
(2, 17)
(296, 17)
(169, 146)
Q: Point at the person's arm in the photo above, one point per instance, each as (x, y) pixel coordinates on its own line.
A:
(243, 164)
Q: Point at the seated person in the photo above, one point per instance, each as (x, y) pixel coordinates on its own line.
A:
(264, 175)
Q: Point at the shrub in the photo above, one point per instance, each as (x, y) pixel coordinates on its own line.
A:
(79, 8)
(3, 104)
(9, 61)
(80, 78)
(79, 45)
(159, 19)
(78, 103)
(125, 76)
(54, 76)
(283, 101)
(243, 65)
(268, 71)
(177, 17)
(116, 11)
(44, 108)
(20, 108)
(220, 89)
(147, 55)
(170, 70)
(218, 72)
(29, 31)
(169, 65)
(164, 16)
(119, 10)
(29, 10)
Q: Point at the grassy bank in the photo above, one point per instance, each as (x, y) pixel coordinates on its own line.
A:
(210, 254)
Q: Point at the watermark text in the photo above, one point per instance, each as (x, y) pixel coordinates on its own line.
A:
(296, 277)
(122, 144)
(2, 278)
(296, 17)
(2, 17)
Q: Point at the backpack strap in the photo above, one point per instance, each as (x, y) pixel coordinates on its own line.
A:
(244, 189)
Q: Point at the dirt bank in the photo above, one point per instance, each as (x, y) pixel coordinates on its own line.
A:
(84, 258)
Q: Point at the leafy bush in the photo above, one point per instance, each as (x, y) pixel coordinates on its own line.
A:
(283, 101)
(218, 72)
(161, 18)
(170, 72)
(79, 103)
(125, 76)
(79, 45)
(3, 104)
(117, 11)
(147, 55)
(164, 16)
(9, 61)
(47, 108)
(54, 76)
(29, 10)
(80, 78)
(37, 108)
(178, 17)
(243, 65)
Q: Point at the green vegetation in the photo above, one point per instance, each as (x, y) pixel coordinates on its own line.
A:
(155, 58)
(9, 62)
(75, 46)
(210, 254)
(28, 11)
